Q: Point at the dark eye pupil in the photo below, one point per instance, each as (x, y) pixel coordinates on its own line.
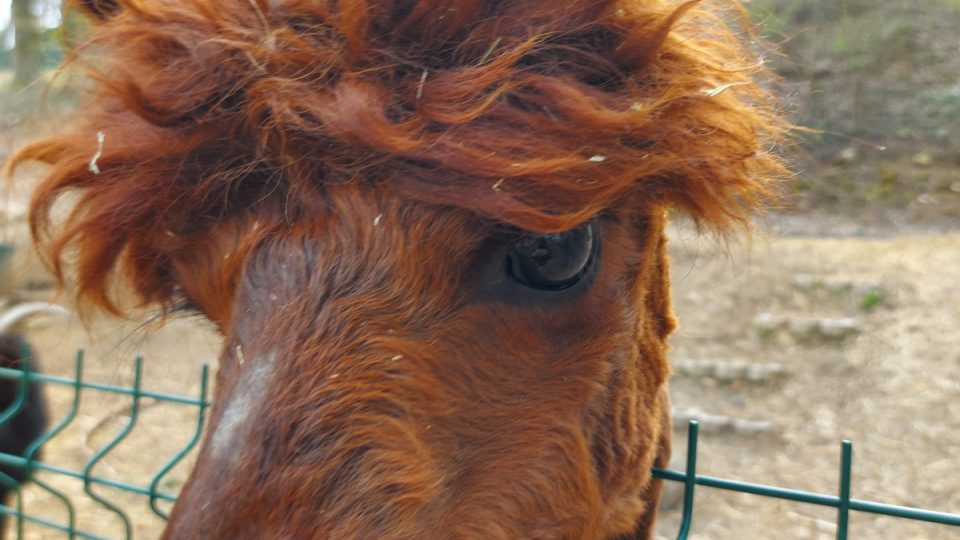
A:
(552, 261)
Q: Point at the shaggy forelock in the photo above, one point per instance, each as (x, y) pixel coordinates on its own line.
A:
(539, 114)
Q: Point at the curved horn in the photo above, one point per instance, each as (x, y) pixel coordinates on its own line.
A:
(14, 315)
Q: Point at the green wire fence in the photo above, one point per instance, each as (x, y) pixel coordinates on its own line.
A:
(842, 501)
(31, 464)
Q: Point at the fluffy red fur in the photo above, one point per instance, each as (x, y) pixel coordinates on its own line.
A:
(322, 179)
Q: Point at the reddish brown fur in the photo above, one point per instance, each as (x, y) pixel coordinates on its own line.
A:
(324, 181)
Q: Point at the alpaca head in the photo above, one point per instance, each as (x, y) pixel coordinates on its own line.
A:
(431, 234)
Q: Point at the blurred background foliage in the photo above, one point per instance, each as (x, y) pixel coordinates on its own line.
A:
(880, 81)
(877, 82)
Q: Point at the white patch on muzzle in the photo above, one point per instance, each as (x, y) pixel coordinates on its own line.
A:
(249, 390)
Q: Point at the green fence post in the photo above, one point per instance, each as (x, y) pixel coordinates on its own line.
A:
(690, 480)
(843, 509)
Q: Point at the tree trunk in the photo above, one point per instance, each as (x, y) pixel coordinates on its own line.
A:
(26, 52)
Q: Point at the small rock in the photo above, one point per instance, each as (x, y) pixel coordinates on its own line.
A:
(836, 285)
(923, 159)
(823, 68)
(763, 372)
(768, 322)
(839, 328)
(731, 371)
(728, 371)
(865, 288)
(846, 156)
(802, 326)
(693, 368)
(804, 282)
(927, 198)
(715, 423)
(751, 427)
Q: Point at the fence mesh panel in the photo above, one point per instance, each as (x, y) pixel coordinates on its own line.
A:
(152, 494)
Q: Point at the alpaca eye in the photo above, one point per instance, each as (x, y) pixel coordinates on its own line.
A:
(552, 261)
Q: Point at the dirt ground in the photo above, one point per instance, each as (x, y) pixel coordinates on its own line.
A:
(891, 385)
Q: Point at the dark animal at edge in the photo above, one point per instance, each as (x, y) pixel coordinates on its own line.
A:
(19, 432)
